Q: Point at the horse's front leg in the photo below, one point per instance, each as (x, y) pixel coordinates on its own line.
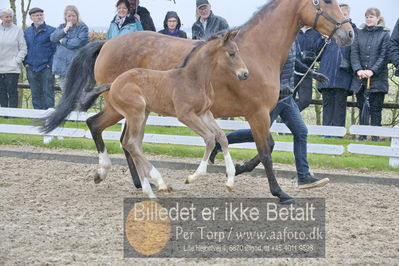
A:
(260, 124)
(199, 126)
(222, 140)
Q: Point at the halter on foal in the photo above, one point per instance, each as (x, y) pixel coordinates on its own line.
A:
(184, 92)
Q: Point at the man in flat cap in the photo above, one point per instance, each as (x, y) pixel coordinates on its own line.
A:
(38, 61)
(207, 23)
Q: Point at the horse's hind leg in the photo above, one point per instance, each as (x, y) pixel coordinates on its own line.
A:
(198, 125)
(222, 139)
(97, 124)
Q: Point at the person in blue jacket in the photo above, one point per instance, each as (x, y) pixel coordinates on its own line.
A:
(123, 22)
(394, 47)
(38, 61)
(70, 37)
(335, 64)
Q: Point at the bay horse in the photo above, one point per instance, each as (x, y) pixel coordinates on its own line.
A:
(264, 42)
(184, 92)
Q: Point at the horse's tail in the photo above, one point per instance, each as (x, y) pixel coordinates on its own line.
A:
(88, 98)
(80, 76)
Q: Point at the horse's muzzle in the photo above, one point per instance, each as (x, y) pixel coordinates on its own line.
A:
(243, 75)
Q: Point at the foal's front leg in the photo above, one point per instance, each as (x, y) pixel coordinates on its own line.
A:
(198, 125)
(222, 139)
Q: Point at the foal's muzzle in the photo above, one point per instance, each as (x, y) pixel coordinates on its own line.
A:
(243, 75)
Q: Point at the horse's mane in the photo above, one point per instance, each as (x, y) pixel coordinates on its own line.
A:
(256, 16)
(200, 44)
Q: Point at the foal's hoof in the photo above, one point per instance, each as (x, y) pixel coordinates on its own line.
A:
(98, 179)
(189, 179)
(229, 188)
(166, 189)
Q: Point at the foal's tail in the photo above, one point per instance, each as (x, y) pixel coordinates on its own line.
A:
(79, 78)
(88, 98)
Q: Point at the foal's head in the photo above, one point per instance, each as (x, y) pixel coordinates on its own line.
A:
(227, 54)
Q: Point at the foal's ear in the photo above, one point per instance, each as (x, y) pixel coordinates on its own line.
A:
(230, 35)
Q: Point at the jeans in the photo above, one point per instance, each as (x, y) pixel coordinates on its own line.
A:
(8, 90)
(291, 116)
(304, 92)
(42, 88)
(334, 106)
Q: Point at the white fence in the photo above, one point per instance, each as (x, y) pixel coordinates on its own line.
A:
(392, 151)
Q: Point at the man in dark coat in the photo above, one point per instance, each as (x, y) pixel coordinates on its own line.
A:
(142, 14)
(309, 43)
(335, 64)
(172, 25)
(207, 23)
(394, 47)
(39, 59)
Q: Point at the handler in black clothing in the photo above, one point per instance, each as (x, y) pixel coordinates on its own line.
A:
(142, 14)
(394, 47)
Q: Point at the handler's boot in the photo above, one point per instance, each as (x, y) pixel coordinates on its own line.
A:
(310, 181)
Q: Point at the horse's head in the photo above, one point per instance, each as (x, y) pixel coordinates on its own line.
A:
(229, 57)
(326, 17)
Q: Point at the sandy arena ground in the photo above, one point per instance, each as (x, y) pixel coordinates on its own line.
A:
(52, 213)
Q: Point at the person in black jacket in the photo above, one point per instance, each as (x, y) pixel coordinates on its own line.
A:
(172, 25)
(369, 59)
(142, 14)
(289, 112)
(207, 23)
(335, 64)
(309, 43)
(394, 47)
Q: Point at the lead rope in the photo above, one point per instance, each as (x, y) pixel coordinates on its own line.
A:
(327, 41)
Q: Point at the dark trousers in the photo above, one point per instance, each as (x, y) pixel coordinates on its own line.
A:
(334, 106)
(8, 90)
(304, 92)
(42, 88)
(376, 100)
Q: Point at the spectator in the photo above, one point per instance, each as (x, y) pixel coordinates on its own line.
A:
(70, 37)
(335, 64)
(123, 22)
(291, 116)
(369, 59)
(172, 25)
(142, 14)
(394, 47)
(309, 43)
(39, 59)
(12, 52)
(207, 23)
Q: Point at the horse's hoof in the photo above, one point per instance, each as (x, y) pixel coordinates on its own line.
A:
(98, 179)
(166, 189)
(189, 180)
(286, 201)
(229, 188)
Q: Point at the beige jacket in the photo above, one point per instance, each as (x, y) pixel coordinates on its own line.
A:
(12, 49)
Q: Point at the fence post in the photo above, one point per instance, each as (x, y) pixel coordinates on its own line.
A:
(394, 161)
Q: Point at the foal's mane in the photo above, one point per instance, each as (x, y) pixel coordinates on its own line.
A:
(258, 14)
(198, 45)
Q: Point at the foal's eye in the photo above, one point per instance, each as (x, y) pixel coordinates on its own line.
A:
(327, 1)
(232, 54)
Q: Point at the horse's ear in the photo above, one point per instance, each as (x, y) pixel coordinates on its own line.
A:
(230, 35)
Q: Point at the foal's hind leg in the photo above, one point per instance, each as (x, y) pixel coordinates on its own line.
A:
(97, 124)
(198, 125)
(222, 139)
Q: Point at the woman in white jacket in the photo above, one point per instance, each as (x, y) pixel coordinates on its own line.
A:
(12, 53)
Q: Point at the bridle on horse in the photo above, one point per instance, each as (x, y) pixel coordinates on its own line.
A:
(320, 12)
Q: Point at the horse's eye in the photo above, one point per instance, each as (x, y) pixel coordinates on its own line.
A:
(327, 1)
(232, 54)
